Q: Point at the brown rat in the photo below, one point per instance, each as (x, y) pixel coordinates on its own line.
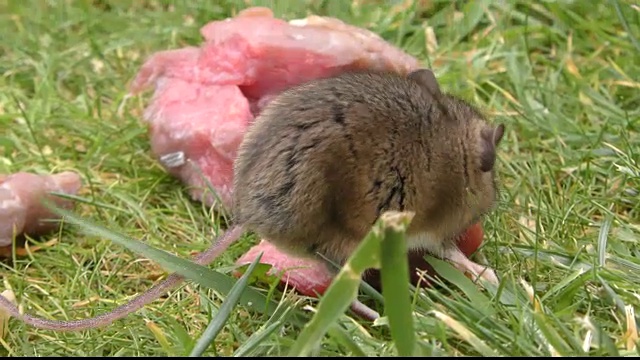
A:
(326, 158)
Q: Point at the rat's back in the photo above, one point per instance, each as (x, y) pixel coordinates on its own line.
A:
(313, 167)
(325, 159)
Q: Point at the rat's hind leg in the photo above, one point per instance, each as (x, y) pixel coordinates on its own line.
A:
(462, 263)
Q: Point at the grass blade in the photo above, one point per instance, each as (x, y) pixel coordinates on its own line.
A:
(218, 322)
(557, 345)
(602, 242)
(623, 21)
(337, 332)
(603, 340)
(465, 333)
(342, 291)
(395, 283)
(457, 278)
(563, 284)
(474, 12)
(160, 337)
(257, 337)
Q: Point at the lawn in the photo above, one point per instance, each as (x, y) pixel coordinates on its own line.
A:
(563, 76)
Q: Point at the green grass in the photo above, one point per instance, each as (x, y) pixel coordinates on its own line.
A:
(562, 75)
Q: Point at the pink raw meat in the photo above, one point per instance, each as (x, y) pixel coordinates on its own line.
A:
(20, 206)
(206, 123)
(307, 277)
(205, 97)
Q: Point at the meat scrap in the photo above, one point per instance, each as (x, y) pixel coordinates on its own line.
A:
(205, 97)
(308, 277)
(21, 209)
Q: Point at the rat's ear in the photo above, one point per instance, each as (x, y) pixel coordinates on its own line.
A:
(491, 137)
(426, 79)
(498, 132)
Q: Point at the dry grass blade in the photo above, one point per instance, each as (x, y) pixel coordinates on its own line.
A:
(465, 334)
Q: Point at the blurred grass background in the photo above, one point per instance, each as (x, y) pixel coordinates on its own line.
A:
(562, 75)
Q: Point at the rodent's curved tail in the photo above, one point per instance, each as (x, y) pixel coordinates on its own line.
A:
(204, 258)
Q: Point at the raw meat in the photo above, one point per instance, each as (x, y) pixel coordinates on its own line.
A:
(205, 97)
(311, 278)
(20, 206)
(307, 277)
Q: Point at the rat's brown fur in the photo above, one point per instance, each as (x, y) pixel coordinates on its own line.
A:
(326, 158)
